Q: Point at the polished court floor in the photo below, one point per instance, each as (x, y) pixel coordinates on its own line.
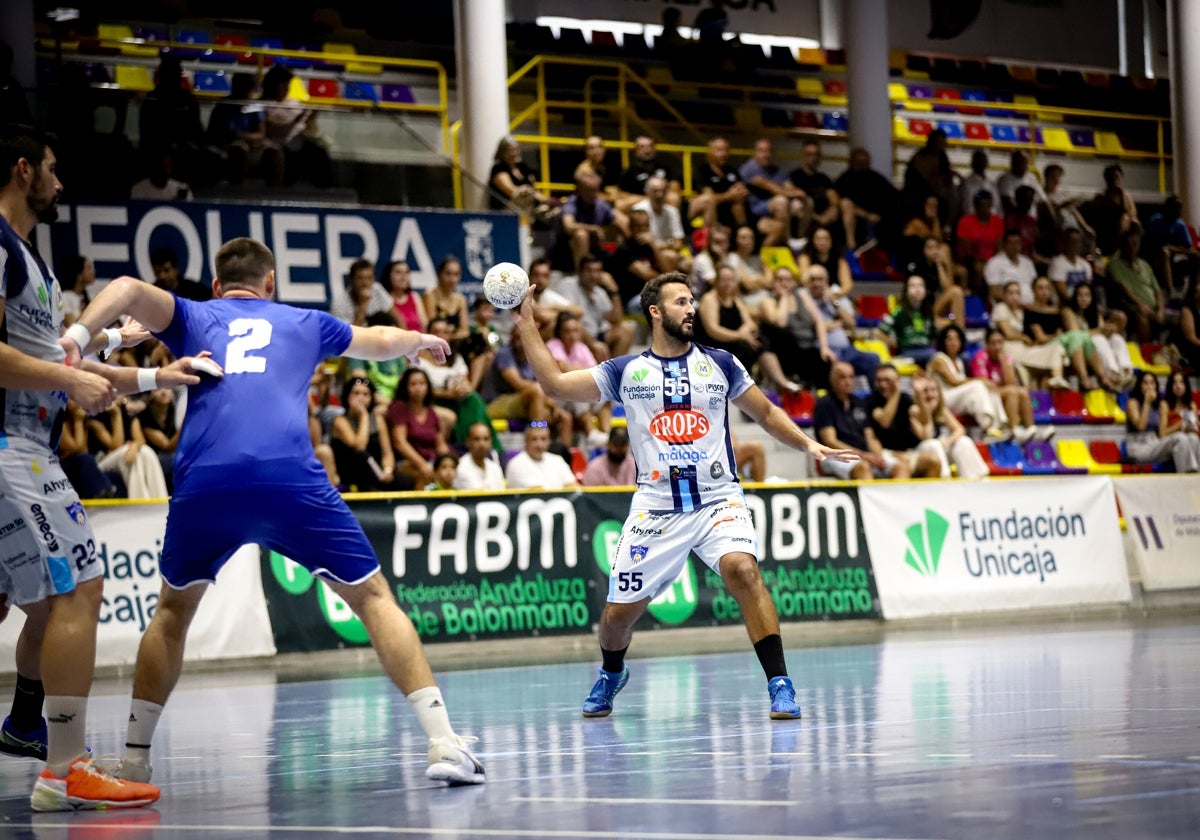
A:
(1025, 732)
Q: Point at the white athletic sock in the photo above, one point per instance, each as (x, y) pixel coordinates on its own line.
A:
(66, 720)
(431, 712)
(143, 720)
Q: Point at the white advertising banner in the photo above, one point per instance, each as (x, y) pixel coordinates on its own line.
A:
(232, 620)
(955, 547)
(1162, 516)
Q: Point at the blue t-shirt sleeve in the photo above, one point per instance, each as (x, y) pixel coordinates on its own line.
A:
(604, 212)
(174, 333)
(335, 334)
(608, 377)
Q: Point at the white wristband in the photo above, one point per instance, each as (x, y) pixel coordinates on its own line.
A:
(147, 379)
(114, 339)
(80, 334)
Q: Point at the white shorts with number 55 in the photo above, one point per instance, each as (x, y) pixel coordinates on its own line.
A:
(654, 546)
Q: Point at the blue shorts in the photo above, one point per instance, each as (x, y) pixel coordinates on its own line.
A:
(308, 523)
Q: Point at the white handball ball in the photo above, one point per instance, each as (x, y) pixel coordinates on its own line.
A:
(505, 285)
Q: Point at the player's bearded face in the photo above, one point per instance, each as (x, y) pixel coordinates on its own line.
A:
(43, 196)
(680, 328)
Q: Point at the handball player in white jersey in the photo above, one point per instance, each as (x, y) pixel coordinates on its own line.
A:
(676, 397)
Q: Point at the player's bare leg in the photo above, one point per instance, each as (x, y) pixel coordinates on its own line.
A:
(616, 632)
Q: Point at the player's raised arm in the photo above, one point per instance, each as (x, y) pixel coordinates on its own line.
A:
(781, 427)
(379, 344)
(575, 385)
(147, 303)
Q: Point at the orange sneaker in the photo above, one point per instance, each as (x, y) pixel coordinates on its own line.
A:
(88, 787)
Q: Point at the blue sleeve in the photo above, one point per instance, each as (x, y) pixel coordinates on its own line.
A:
(608, 377)
(604, 212)
(335, 334)
(174, 333)
(735, 373)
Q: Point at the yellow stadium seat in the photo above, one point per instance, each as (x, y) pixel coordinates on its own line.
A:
(900, 130)
(619, 423)
(834, 99)
(1074, 454)
(297, 89)
(1057, 140)
(807, 55)
(897, 59)
(880, 349)
(1107, 143)
(897, 92)
(121, 32)
(134, 77)
(1102, 405)
(340, 50)
(1141, 363)
(779, 257)
(810, 88)
(501, 426)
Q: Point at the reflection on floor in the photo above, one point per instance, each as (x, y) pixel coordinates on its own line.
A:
(1030, 733)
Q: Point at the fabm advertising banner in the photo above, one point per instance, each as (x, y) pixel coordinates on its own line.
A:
(940, 548)
(1162, 520)
(231, 622)
(511, 566)
(313, 245)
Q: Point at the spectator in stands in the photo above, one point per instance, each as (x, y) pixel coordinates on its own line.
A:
(1112, 212)
(1069, 269)
(479, 469)
(588, 220)
(1135, 289)
(891, 411)
(714, 255)
(868, 201)
(547, 303)
(593, 163)
(910, 328)
(293, 128)
(1187, 339)
(710, 25)
(157, 425)
(1010, 265)
(839, 318)
(672, 46)
(1181, 408)
(929, 174)
(1019, 175)
(933, 421)
(362, 441)
(746, 262)
(841, 418)
(445, 468)
(1064, 208)
(595, 292)
(1046, 321)
(79, 464)
(513, 393)
(978, 236)
(535, 467)
(779, 209)
(750, 457)
(125, 450)
(1041, 360)
(1023, 221)
(454, 386)
(418, 435)
(364, 297)
(445, 301)
(975, 183)
(571, 352)
(978, 398)
(923, 224)
(513, 183)
(158, 185)
(238, 128)
(636, 260)
(724, 321)
(1107, 330)
(165, 264)
(169, 120)
(820, 250)
(614, 467)
(720, 195)
(1170, 246)
(1148, 439)
(631, 186)
(817, 188)
(992, 364)
(796, 331)
(942, 280)
(666, 228)
(396, 277)
(77, 274)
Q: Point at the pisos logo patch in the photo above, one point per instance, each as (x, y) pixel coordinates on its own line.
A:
(296, 580)
(925, 542)
(677, 603)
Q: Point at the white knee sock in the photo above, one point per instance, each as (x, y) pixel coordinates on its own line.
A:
(431, 712)
(66, 720)
(143, 720)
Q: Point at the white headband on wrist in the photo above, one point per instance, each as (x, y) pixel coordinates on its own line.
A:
(147, 379)
(80, 334)
(114, 339)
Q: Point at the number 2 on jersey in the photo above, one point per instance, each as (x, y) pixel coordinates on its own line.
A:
(248, 334)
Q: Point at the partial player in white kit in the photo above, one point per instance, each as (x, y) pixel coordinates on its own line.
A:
(689, 498)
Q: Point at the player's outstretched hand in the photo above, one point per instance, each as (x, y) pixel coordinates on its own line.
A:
(184, 371)
(436, 346)
(92, 391)
(525, 310)
(133, 333)
(820, 452)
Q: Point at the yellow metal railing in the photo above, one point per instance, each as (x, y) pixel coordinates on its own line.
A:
(261, 55)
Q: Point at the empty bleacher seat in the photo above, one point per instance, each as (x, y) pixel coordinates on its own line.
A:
(1076, 455)
(1009, 456)
(323, 88)
(397, 94)
(1068, 407)
(1102, 407)
(871, 309)
(1043, 407)
(985, 452)
(1041, 459)
(244, 54)
(799, 406)
(976, 311)
(134, 77)
(212, 82)
(1141, 360)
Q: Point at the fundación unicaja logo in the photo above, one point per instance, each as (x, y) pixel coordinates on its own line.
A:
(640, 374)
(925, 542)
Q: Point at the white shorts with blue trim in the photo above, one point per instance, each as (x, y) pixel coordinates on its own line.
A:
(46, 543)
(654, 546)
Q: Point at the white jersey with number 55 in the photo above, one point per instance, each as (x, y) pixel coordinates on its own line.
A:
(677, 412)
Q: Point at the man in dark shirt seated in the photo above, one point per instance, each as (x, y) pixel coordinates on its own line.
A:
(891, 421)
(636, 261)
(841, 418)
(869, 201)
(631, 186)
(166, 276)
(720, 194)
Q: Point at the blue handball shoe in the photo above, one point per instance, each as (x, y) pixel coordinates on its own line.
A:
(599, 703)
(783, 699)
(31, 744)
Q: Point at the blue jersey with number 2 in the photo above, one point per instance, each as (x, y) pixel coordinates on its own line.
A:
(251, 426)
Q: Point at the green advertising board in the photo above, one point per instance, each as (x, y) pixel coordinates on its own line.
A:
(514, 566)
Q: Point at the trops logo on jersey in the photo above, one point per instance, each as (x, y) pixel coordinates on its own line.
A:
(680, 426)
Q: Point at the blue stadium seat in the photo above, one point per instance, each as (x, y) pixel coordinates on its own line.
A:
(976, 311)
(360, 92)
(1008, 455)
(1004, 133)
(212, 82)
(954, 130)
(834, 121)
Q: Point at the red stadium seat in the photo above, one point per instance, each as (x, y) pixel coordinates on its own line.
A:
(978, 131)
(323, 88)
(1068, 407)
